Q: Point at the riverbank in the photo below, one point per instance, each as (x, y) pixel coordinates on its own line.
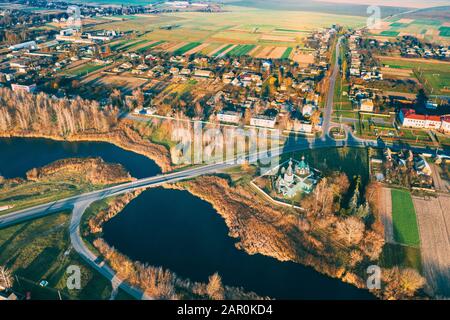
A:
(57, 180)
(156, 282)
(123, 137)
(340, 247)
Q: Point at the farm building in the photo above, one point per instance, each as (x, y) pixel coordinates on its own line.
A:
(366, 105)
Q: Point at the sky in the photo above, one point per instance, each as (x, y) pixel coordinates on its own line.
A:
(396, 3)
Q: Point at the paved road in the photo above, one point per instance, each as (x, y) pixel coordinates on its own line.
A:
(330, 95)
(80, 247)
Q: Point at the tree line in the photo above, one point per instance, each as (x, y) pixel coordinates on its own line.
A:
(23, 113)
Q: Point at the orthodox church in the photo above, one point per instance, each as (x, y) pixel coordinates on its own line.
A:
(298, 176)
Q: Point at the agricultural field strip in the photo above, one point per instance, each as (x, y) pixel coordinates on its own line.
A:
(433, 218)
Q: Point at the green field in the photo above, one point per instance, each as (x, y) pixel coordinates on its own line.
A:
(389, 33)
(399, 255)
(118, 44)
(435, 76)
(241, 50)
(404, 218)
(131, 45)
(287, 53)
(148, 47)
(84, 69)
(186, 48)
(219, 52)
(399, 25)
(239, 25)
(444, 31)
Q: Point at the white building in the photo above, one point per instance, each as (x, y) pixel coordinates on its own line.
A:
(21, 87)
(445, 126)
(229, 116)
(409, 118)
(24, 45)
(263, 121)
(203, 74)
(302, 126)
(308, 109)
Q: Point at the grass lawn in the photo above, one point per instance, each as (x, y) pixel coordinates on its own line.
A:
(84, 69)
(414, 135)
(398, 255)
(40, 250)
(404, 218)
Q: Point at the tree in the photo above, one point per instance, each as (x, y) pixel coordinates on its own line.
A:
(116, 98)
(401, 283)
(351, 230)
(215, 289)
(421, 99)
(6, 278)
(372, 244)
(138, 96)
(315, 118)
(354, 201)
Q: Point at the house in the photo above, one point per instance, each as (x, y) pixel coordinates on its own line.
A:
(174, 71)
(263, 121)
(185, 72)
(229, 116)
(203, 73)
(22, 87)
(126, 66)
(8, 296)
(366, 105)
(308, 109)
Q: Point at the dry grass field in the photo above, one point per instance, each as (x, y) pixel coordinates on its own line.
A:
(237, 25)
(386, 211)
(433, 216)
(124, 82)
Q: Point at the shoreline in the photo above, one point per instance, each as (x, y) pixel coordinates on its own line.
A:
(161, 160)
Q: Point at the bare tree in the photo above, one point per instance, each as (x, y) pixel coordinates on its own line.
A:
(215, 288)
(6, 278)
(351, 230)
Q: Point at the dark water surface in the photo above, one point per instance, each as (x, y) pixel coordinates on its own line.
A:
(18, 155)
(181, 232)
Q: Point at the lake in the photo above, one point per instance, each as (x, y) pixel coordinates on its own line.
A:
(173, 229)
(18, 155)
(178, 231)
